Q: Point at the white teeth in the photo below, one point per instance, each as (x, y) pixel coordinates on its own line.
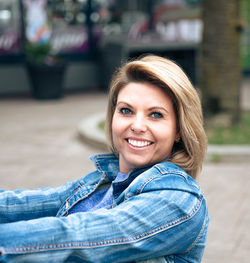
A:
(138, 143)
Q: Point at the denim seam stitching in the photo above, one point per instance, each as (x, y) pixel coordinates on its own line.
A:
(176, 172)
(80, 185)
(65, 213)
(197, 238)
(103, 243)
(140, 189)
(103, 156)
(64, 210)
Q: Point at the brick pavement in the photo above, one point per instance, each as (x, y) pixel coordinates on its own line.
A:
(226, 186)
(39, 141)
(40, 146)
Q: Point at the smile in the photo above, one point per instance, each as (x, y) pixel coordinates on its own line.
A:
(137, 143)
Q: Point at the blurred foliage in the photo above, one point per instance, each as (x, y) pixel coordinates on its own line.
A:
(245, 39)
(101, 125)
(41, 54)
(236, 134)
(37, 53)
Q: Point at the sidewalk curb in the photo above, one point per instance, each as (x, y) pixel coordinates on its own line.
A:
(91, 134)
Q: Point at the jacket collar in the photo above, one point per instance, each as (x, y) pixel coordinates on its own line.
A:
(107, 164)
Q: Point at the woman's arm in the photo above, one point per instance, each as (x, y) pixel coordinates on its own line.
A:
(30, 204)
(147, 225)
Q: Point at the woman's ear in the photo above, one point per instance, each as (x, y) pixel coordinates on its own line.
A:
(177, 137)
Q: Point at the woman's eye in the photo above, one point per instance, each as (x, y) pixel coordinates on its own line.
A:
(125, 111)
(156, 115)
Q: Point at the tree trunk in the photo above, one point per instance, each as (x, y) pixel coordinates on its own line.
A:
(220, 67)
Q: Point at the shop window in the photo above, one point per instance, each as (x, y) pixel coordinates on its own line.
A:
(10, 28)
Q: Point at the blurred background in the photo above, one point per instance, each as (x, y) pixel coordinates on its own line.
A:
(56, 61)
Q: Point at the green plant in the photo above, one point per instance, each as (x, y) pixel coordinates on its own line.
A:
(41, 54)
(37, 53)
(46, 71)
(235, 134)
(101, 125)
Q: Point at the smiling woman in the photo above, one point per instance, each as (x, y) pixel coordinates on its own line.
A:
(142, 203)
(143, 126)
(172, 83)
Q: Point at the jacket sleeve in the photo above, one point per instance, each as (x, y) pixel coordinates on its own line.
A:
(147, 224)
(30, 204)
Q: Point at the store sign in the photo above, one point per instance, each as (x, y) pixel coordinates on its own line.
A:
(70, 40)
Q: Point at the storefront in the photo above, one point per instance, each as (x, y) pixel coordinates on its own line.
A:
(10, 30)
(94, 36)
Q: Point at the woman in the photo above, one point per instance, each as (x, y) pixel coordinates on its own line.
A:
(142, 203)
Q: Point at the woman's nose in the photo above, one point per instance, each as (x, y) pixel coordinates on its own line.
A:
(139, 124)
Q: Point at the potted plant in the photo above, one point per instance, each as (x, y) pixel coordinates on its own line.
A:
(46, 71)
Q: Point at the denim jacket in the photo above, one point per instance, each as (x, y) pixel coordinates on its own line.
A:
(161, 216)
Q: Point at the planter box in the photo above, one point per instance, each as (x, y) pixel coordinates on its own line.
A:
(46, 80)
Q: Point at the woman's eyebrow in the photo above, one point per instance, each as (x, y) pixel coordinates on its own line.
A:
(153, 108)
(158, 108)
(124, 103)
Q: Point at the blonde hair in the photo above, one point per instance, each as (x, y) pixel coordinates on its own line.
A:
(189, 152)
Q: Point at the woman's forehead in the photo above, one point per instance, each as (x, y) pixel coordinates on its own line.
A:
(143, 93)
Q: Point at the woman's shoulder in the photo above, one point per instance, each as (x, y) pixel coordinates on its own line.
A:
(167, 176)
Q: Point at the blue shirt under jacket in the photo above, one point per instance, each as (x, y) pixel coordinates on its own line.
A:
(159, 214)
(102, 198)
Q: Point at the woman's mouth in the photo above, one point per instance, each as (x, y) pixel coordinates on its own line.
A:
(139, 143)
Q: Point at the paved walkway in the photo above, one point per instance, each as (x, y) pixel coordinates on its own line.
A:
(40, 146)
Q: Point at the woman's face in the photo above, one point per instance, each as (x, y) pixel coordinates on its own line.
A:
(143, 126)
